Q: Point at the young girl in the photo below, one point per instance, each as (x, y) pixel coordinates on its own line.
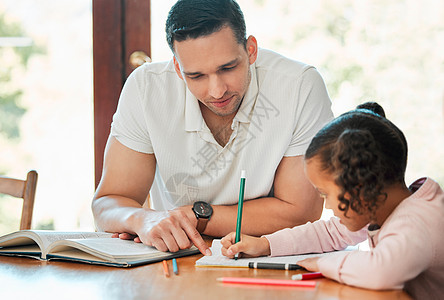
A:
(357, 163)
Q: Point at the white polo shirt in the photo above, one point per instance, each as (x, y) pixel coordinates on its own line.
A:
(286, 104)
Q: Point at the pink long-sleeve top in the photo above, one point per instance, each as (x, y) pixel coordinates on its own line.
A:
(406, 252)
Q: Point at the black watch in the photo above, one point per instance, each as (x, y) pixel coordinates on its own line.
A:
(203, 212)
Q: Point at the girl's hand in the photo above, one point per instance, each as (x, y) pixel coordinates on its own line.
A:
(311, 264)
(249, 246)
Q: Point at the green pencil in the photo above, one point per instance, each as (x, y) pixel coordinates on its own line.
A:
(239, 208)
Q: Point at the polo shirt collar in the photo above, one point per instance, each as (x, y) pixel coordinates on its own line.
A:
(193, 116)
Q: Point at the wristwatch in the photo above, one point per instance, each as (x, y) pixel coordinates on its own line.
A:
(203, 212)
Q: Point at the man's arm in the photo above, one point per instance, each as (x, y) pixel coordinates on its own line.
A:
(295, 202)
(117, 205)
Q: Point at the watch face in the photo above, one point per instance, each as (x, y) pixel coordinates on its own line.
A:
(203, 209)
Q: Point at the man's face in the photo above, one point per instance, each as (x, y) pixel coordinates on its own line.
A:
(216, 69)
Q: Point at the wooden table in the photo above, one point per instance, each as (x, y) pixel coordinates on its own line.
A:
(25, 278)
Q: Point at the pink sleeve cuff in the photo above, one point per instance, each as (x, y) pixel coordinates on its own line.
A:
(331, 265)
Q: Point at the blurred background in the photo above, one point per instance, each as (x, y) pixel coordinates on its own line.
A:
(389, 51)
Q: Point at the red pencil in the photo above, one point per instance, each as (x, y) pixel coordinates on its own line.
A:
(307, 276)
(265, 281)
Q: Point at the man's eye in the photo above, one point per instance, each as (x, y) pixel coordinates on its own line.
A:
(195, 77)
(228, 68)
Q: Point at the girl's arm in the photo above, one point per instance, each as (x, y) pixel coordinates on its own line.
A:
(318, 237)
(404, 250)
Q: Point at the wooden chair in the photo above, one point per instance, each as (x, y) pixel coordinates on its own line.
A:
(24, 189)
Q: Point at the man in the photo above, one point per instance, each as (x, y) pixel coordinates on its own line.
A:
(185, 129)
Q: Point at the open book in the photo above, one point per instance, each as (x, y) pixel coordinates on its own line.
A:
(87, 247)
(218, 260)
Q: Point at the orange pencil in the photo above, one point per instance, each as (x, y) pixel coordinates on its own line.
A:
(165, 269)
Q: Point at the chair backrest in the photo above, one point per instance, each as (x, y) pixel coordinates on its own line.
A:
(24, 189)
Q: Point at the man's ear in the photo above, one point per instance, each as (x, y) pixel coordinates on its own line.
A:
(252, 49)
(177, 67)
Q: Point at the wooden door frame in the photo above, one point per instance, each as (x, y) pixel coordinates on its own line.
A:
(120, 27)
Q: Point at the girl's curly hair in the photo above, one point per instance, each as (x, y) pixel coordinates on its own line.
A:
(364, 152)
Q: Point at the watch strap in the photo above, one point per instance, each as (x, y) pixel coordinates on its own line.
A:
(201, 224)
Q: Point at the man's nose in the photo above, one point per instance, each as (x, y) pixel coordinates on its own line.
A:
(217, 87)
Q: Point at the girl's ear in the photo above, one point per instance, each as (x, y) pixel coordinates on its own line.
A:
(252, 49)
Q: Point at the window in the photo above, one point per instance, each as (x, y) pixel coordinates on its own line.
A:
(55, 132)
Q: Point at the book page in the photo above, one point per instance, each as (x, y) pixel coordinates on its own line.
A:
(35, 242)
(20, 238)
(48, 237)
(23, 250)
(218, 260)
(113, 249)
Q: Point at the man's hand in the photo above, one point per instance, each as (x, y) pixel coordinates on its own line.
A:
(248, 246)
(167, 231)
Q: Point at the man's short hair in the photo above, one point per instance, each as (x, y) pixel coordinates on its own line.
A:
(190, 19)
